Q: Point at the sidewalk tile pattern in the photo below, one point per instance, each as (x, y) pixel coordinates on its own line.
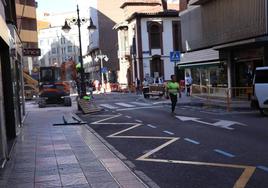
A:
(53, 156)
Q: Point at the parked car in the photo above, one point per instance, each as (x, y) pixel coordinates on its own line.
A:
(29, 92)
(260, 89)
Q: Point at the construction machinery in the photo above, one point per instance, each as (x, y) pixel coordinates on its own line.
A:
(54, 84)
(30, 87)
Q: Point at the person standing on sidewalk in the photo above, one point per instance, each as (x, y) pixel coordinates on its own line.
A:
(173, 88)
(188, 83)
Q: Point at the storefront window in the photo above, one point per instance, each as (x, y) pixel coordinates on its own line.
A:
(213, 75)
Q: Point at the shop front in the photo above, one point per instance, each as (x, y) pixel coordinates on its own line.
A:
(209, 73)
(244, 63)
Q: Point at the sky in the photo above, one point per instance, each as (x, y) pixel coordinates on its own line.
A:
(56, 6)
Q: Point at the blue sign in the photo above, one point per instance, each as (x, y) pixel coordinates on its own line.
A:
(104, 70)
(175, 56)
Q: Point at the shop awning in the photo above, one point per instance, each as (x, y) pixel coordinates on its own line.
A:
(206, 64)
(205, 55)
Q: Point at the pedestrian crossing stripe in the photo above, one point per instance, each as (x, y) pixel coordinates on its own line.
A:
(140, 103)
(125, 105)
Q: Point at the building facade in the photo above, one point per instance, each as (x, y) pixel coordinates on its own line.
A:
(11, 82)
(151, 31)
(230, 38)
(104, 41)
(27, 28)
(57, 47)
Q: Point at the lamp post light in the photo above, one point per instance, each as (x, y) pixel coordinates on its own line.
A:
(102, 57)
(66, 28)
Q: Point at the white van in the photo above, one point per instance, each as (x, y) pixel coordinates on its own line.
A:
(260, 90)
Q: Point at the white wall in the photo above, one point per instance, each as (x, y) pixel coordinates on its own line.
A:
(167, 46)
(2, 10)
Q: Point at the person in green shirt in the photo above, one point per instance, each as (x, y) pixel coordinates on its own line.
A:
(173, 88)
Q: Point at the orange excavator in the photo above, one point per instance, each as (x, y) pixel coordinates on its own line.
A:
(54, 84)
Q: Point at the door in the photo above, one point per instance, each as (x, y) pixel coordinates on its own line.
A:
(156, 67)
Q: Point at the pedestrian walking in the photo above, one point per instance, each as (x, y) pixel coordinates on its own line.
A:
(90, 88)
(173, 88)
(188, 83)
(138, 86)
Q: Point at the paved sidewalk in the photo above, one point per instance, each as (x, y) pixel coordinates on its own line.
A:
(62, 156)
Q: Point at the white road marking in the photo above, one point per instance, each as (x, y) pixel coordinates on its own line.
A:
(108, 106)
(152, 126)
(129, 109)
(125, 105)
(140, 103)
(191, 141)
(241, 181)
(168, 132)
(225, 124)
(139, 121)
(129, 117)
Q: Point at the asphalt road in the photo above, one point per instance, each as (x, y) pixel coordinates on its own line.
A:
(197, 147)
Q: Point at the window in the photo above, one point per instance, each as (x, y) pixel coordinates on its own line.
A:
(261, 76)
(176, 36)
(155, 35)
(70, 48)
(63, 50)
(54, 50)
(63, 40)
(157, 67)
(41, 42)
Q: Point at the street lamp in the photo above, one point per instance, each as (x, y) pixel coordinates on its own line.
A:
(105, 58)
(66, 28)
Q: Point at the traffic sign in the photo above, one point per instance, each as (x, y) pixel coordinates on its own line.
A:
(175, 56)
(104, 70)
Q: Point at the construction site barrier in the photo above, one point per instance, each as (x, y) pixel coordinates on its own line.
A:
(228, 96)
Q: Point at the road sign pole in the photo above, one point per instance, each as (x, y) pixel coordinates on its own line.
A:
(175, 67)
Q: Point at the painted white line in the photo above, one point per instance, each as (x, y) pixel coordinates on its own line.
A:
(263, 168)
(108, 106)
(139, 121)
(227, 154)
(141, 104)
(152, 126)
(191, 141)
(162, 102)
(125, 105)
(224, 124)
(129, 117)
(129, 109)
(170, 133)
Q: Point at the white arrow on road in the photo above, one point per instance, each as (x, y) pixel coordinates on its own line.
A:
(225, 124)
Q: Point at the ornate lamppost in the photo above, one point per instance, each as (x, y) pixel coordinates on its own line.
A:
(102, 57)
(66, 28)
